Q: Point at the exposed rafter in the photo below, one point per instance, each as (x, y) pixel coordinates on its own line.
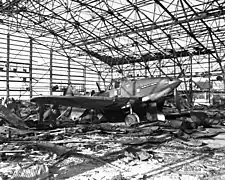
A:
(118, 32)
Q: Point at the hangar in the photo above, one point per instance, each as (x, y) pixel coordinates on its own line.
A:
(46, 45)
(49, 43)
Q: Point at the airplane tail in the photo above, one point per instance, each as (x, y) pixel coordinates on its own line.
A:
(68, 91)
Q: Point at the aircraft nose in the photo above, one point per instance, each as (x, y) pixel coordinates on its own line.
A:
(174, 83)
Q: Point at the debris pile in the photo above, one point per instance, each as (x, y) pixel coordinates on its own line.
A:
(181, 147)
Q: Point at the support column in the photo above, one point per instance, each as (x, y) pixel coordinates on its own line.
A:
(84, 74)
(69, 59)
(31, 68)
(111, 73)
(147, 70)
(50, 72)
(223, 71)
(190, 83)
(7, 65)
(209, 74)
(160, 66)
(174, 69)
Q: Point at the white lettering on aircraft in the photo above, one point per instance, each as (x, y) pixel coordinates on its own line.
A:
(147, 85)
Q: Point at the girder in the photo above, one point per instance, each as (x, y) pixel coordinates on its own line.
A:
(118, 32)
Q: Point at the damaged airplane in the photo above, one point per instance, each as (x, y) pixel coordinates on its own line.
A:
(124, 99)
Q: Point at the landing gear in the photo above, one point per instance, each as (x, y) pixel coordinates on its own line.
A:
(153, 113)
(132, 119)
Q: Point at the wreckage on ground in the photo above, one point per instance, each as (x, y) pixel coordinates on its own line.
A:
(124, 99)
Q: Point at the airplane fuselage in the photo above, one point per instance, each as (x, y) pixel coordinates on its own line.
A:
(148, 89)
(124, 98)
(140, 92)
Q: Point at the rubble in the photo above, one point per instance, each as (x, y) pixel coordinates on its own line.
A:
(11, 118)
(182, 147)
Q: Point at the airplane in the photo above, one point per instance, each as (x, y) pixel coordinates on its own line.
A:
(128, 99)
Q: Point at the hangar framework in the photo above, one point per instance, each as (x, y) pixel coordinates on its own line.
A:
(53, 42)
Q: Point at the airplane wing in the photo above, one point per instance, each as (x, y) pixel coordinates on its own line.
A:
(88, 102)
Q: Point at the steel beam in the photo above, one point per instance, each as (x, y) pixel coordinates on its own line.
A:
(191, 34)
(50, 71)
(209, 77)
(7, 66)
(69, 61)
(191, 80)
(31, 68)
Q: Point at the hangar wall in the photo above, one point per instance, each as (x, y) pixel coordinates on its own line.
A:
(27, 69)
